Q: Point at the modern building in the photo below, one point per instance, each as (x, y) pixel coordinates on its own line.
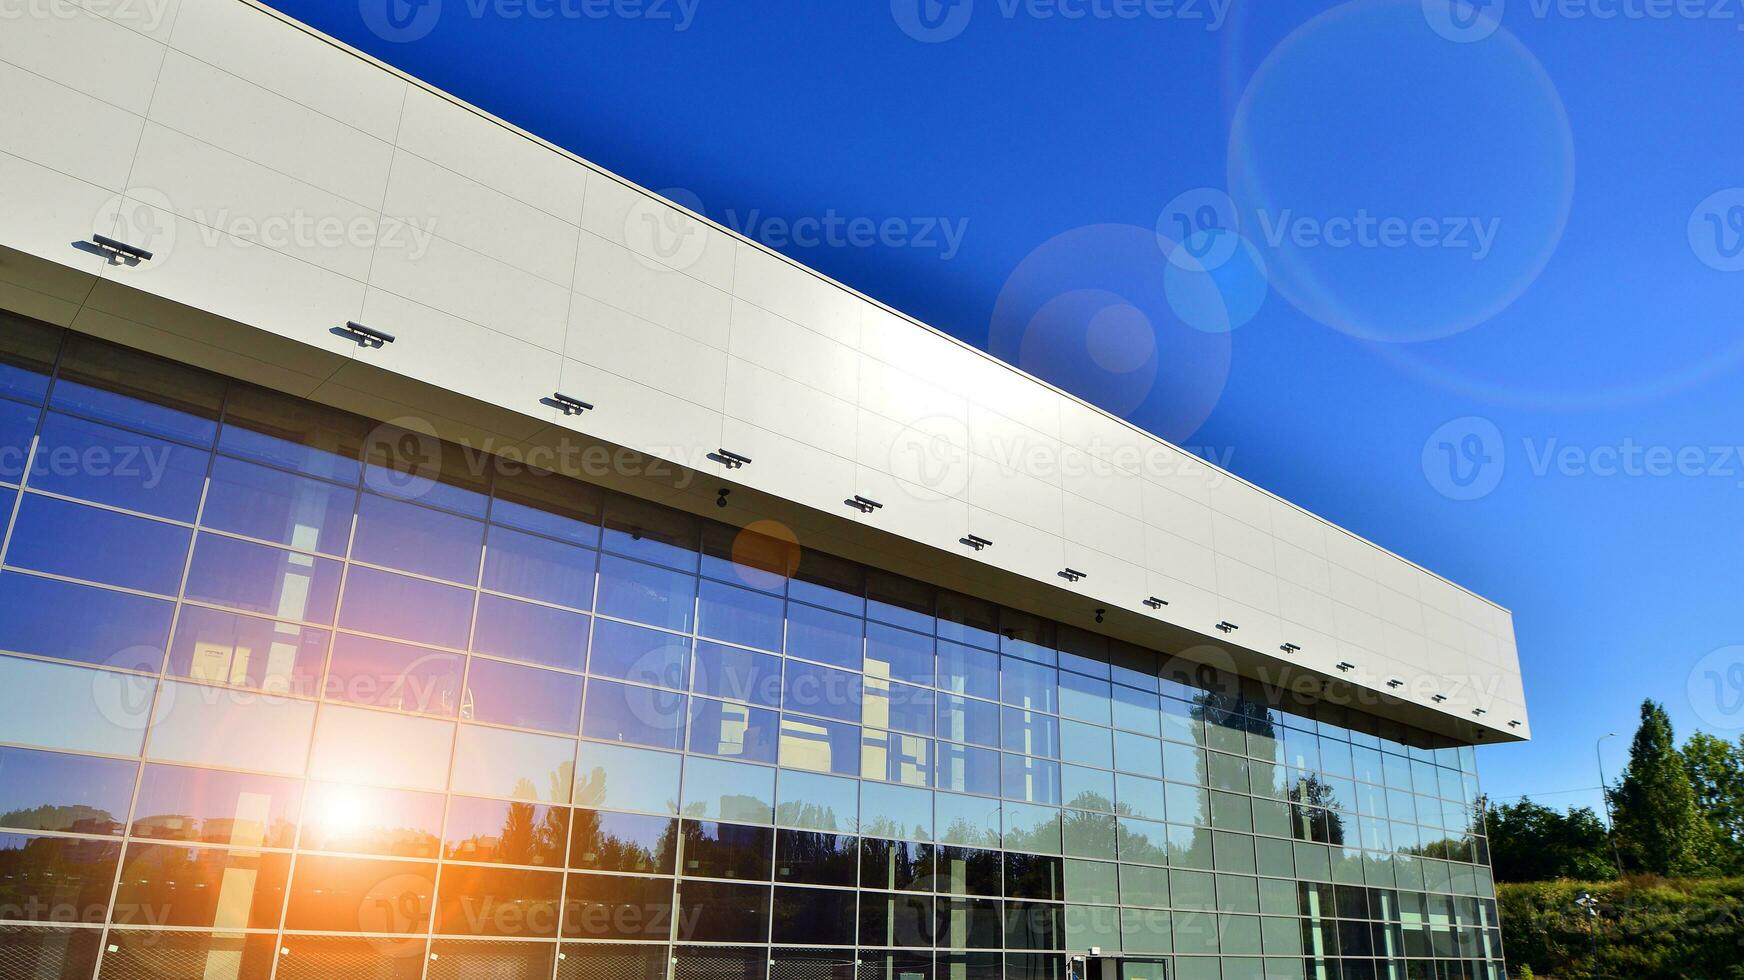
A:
(439, 557)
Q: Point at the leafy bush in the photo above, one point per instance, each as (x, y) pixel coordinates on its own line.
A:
(1648, 928)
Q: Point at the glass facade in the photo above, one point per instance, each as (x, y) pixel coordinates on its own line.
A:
(281, 697)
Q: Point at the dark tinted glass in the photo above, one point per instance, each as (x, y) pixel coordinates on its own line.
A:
(638, 654)
(51, 953)
(896, 865)
(612, 907)
(1034, 876)
(266, 580)
(501, 832)
(366, 820)
(972, 923)
(981, 966)
(80, 458)
(721, 912)
(812, 964)
(601, 841)
(899, 601)
(598, 961)
(247, 651)
(163, 884)
(969, 871)
(813, 917)
(539, 568)
(803, 858)
(76, 622)
(524, 697)
(408, 608)
(156, 953)
(386, 674)
(178, 803)
(27, 355)
(741, 675)
(464, 959)
(498, 902)
(1032, 925)
(536, 634)
(895, 920)
(52, 791)
(825, 580)
(747, 557)
(55, 879)
(84, 542)
(723, 850)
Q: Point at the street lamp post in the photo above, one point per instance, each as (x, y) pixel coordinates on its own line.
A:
(1605, 794)
(1590, 906)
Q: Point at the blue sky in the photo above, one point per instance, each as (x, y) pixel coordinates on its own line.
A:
(1467, 284)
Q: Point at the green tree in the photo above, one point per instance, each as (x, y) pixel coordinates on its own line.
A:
(1716, 771)
(1659, 827)
(1531, 842)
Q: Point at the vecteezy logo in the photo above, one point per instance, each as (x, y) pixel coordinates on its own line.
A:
(1204, 227)
(1464, 459)
(143, 217)
(1716, 688)
(663, 237)
(932, 452)
(932, 21)
(1716, 230)
(403, 457)
(1464, 21)
(400, 21)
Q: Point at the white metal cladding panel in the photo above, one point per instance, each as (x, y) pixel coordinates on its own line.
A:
(510, 270)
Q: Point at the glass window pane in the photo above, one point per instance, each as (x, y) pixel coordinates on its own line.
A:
(623, 778)
(964, 769)
(76, 622)
(1137, 711)
(539, 568)
(820, 746)
(740, 616)
(625, 713)
(642, 655)
(27, 356)
(368, 820)
(17, 429)
(62, 707)
(899, 601)
(79, 458)
(241, 809)
(967, 720)
(741, 675)
(647, 593)
(715, 789)
(1035, 780)
(1029, 685)
(213, 726)
(896, 865)
(356, 745)
(828, 637)
(893, 811)
(749, 557)
(536, 634)
(494, 762)
(898, 706)
(534, 500)
(814, 916)
(652, 533)
(717, 912)
(54, 879)
(967, 820)
(817, 802)
(1032, 828)
(266, 580)
(293, 433)
(53, 791)
(1030, 733)
(1086, 745)
(407, 608)
(822, 691)
(246, 651)
(722, 850)
(137, 390)
(817, 859)
(417, 539)
(524, 697)
(413, 465)
(84, 542)
(899, 758)
(1136, 753)
(393, 675)
(1087, 789)
(734, 730)
(613, 907)
(967, 670)
(276, 506)
(1142, 841)
(1139, 797)
(501, 832)
(334, 894)
(898, 654)
(602, 841)
(1086, 698)
(162, 884)
(1093, 835)
(825, 580)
